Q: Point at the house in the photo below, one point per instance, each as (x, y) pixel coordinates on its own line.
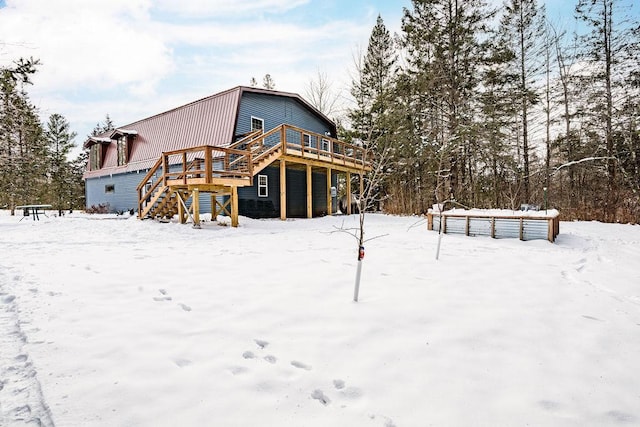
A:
(245, 151)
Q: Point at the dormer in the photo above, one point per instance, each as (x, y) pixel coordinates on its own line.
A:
(124, 140)
(97, 146)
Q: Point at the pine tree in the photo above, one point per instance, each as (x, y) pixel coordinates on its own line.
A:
(374, 83)
(101, 128)
(523, 29)
(268, 83)
(22, 167)
(442, 39)
(605, 47)
(60, 143)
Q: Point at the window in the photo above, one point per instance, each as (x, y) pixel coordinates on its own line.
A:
(122, 150)
(109, 188)
(263, 186)
(326, 145)
(257, 123)
(95, 157)
(306, 138)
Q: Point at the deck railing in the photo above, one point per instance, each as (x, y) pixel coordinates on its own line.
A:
(310, 145)
(197, 165)
(215, 165)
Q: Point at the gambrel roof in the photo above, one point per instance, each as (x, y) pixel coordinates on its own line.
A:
(207, 121)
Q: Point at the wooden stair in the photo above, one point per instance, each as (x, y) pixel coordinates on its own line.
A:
(182, 175)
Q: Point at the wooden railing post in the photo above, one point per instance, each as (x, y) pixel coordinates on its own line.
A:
(184, 167)
(208, 166)
(283, 138)
(165, 168)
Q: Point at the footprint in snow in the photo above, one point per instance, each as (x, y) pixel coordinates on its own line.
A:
(164, 296)
(248, 355)
(181, 363)
(270, 358)
(320, 396)
(301, 365)
(338, 384)
(261, 343)
(185, 307)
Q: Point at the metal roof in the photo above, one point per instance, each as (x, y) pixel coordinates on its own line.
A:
(207, 121)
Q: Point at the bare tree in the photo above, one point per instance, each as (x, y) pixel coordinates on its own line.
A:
(320, 94)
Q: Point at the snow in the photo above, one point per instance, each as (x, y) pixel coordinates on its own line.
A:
(112, 321)
(497, 213)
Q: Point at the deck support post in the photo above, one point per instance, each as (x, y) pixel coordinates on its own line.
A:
(348, 193)
(182, 215)
(234, 206)
(195, 205)
(309, 193)
(329, 200)
(283, 190)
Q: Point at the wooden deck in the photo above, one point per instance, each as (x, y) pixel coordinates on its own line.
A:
(183, 174)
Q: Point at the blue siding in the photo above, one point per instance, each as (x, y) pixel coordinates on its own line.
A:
(124, 195)
(276, 110)
(249, 204)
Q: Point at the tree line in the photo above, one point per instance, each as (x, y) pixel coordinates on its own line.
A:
(34, 164)
(496, 108)
(478, 107)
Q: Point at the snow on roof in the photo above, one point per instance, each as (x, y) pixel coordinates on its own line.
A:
(95, 140)
(501, 213)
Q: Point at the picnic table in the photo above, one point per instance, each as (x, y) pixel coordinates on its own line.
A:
(33, 210)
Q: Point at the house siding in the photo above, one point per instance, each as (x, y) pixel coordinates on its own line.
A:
(125, 194)
(249, 204)
(276, 110)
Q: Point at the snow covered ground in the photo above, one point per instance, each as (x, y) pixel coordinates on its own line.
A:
(120, 322)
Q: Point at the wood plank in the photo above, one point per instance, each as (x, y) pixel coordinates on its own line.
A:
(342, 166)
(329, 199)
(283, 190)
(309, 193)
(182, 215)
(234, 206)
(195, 204)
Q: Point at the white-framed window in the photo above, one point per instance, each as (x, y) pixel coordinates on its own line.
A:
(306, 138)
(263, 186)
(326, 145)
(257, 123)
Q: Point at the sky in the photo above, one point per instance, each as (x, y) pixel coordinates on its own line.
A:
(135, 58)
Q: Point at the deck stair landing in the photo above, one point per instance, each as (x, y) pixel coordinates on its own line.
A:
(174, 183)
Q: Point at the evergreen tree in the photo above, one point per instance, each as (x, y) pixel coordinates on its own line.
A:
(60, 143)
(106, 126)
(442, 39)
(268, 83)
(523, 30)
(22, 165)
(605, 48)
(373, 85)
(372, 90)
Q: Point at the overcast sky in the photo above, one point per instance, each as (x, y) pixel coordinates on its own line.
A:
(135, 58)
